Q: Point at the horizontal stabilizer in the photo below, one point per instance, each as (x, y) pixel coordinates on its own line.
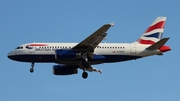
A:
(158, 44)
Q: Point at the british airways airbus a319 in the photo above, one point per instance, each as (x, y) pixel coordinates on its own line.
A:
(71, 56)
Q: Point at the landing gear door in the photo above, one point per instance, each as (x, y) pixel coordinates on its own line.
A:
(133, 49)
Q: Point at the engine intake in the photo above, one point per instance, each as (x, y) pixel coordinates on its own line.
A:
(64, 70)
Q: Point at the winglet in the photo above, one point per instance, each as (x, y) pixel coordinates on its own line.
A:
(112, 24)
(158, 44)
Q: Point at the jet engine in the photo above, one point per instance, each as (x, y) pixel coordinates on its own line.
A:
(64, 70)
(66, 54)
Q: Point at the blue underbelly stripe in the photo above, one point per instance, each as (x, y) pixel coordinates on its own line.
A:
(51, 58)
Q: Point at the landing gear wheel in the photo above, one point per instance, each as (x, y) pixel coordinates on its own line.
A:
(31, 70)
(84, 75)
(32, 67)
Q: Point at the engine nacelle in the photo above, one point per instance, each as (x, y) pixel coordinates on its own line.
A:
(64, 70)
(66, 54)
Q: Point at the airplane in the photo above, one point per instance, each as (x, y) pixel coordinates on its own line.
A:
(71, 56)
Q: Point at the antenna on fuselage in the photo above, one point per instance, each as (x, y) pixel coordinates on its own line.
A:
(34, 44)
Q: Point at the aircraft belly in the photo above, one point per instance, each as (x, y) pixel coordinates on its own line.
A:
(119, 58)
(105, 59)
(33, 58)
(97, 59)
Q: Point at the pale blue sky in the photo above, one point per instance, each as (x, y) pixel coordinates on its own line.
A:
(155, 78)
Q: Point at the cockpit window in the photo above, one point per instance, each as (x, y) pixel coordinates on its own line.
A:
(20, 47)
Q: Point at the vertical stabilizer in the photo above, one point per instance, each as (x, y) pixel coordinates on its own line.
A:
(154, 32)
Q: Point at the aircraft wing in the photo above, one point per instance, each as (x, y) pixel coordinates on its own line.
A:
(90, 43)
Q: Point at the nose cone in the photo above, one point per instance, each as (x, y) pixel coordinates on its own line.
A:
(10, 55)
(16, 56)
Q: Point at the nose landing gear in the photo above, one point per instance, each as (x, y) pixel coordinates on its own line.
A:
(32, 67)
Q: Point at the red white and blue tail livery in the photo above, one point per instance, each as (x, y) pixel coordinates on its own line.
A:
(154, 32)
(71, 56)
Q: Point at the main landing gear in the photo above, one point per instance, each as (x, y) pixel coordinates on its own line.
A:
(86, 65)
(32, 67)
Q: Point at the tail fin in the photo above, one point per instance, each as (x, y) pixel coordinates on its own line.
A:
(154, 32)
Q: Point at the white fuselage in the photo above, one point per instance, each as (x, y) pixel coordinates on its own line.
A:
(114, 52)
